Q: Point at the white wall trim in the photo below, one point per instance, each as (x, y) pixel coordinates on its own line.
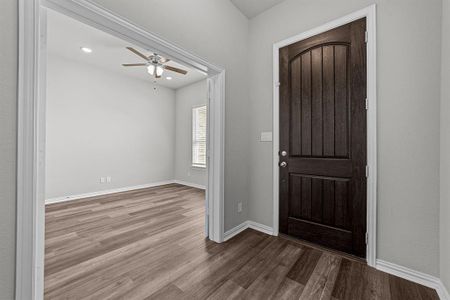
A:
(31, 125)
(260, 227)
(414, 276)
(215, 152)
(107, 192)
(191, 184)
(247, 224)
(30, 190)
(370, 14)
(235, 231)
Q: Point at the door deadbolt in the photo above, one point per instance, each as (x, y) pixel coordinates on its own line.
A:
(283, 153)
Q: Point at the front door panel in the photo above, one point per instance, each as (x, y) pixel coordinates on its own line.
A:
(323, 138)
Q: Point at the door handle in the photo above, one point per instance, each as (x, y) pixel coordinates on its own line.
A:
(283, 164)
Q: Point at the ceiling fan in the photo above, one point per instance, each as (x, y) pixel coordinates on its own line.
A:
(155, 64)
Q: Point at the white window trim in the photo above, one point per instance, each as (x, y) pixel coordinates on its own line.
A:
(194, 165)
(197, 166)
(31, 127)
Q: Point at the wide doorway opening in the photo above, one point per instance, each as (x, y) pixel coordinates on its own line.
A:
(126, 165)
(129, 129)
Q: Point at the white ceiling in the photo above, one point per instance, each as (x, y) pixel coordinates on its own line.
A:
(252, 8)
(66, 36)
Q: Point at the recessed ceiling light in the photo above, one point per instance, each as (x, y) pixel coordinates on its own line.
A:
(169, 78)
(86, 49)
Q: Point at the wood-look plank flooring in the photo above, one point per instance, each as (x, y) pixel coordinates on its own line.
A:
(149, 244)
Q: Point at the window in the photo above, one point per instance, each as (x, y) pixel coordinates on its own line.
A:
(199, 136)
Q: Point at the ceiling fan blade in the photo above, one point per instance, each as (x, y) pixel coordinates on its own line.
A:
(164, 60)
(133, 65)
(181, 71)
(137, 53)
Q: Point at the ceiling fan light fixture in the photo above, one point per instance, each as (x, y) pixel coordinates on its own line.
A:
(159, 70)
(155, 64)
(151, 69)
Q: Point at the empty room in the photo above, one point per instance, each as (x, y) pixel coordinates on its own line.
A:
(225, 149)
(125, 160)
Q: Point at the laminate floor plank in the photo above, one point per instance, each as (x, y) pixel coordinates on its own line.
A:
(320, 284)
(229, 290)
(288, 290)
(250, 271)
(168, 292)
(270, 278)
(305, 265)
(150, 244)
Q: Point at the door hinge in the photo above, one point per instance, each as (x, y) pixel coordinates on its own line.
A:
(366, 36)
(277, 84)
(367, 238)
(367, 171)
(367, 104)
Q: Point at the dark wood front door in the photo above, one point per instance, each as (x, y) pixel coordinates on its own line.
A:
(323, 139)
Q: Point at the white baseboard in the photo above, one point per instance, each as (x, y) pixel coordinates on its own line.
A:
(414, 276)
(234, 231)
(106, 192)
(195, 185)
(260, 227)
(118, 190)
(247, 224)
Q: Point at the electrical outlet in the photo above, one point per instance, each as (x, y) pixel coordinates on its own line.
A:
(240, 207)
(108, 179)
(102, 179)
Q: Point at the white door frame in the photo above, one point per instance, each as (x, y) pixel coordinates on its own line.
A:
(370, 14)
(31, 126)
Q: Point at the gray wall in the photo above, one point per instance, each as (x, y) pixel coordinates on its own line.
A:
(445, 147)
(101, 123)
(408, 118)
(8, 129)
(218, 32)
(186, 98)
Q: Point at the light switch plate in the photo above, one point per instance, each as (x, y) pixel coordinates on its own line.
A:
(266, 136)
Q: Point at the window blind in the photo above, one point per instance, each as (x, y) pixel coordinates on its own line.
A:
(199, 136)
